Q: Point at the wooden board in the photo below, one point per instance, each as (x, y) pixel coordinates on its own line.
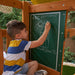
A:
(52, 49)
(8, 39)
(49, 70)
(1, 53)
(53, 6)
(12, 3)
(71, 32)
(3, 32)
(25, 20)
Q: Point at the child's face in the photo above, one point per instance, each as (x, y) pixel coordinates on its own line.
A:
(22, 35)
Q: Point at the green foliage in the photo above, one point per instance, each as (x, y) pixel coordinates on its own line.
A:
(72, 17)
(71, 20)
(6, 17)
(68, 56)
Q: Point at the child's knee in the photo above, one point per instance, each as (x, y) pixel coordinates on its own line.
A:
(36, 63)
(33, 63)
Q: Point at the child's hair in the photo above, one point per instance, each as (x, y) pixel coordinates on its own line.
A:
(14, 27)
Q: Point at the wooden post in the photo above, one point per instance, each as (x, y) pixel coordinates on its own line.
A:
(8, 39)
(53, 6)
(25, 20)
(64, 41)
(1, 53)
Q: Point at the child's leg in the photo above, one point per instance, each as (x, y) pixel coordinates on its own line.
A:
(33, 66)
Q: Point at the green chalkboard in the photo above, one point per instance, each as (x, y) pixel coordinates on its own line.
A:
(50, 53)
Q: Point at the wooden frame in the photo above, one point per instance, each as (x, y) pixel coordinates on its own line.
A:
(25, 20)
(45, 7)
(4, 34)
(1, 53)
(55, 6)
(65, 35)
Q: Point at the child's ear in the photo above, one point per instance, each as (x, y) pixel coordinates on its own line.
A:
(17, 36)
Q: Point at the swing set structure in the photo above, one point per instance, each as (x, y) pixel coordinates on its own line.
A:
(26, 10)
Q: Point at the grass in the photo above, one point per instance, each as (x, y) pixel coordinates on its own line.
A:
(67, 70)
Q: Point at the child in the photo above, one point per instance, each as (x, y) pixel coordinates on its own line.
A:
(15, 60)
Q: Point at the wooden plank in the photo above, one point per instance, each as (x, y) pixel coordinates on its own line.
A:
(3, 32)
(25, 20)
(71, 32)
(1, 53)
(53, 6)
(65, 35)
(49, 70)
(25, 14)
(12, 3)
(8, 39)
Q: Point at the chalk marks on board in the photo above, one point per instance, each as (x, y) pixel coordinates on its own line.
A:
(50, 50)
(38, 26)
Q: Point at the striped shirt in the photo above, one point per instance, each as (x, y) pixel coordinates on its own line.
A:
(15, 56)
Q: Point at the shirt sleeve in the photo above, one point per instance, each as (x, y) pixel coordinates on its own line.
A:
(26, 44)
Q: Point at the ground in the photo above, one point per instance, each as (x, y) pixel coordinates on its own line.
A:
(67, 70)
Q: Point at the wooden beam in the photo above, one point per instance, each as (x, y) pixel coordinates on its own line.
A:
(49, 70)
(12, 3)
(65, 35)
(71, 32)
(3, 32)
(8, 39)
(1, 53)
(53, 6)
(25, 20)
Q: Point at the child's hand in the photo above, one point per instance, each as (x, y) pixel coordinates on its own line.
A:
(42, 38)
(47, 26)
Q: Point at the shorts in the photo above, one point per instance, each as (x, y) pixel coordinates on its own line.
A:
(24, 70)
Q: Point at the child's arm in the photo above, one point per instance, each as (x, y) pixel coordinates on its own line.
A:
(43, 37)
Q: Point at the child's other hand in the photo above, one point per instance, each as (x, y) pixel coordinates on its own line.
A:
(47, 26)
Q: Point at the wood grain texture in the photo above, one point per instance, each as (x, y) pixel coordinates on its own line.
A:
(3, 32)
(1, 53)
(49, 70)
(53, 6)
(8, 39)
(65, 35)
(71, 32)
(25, 20)
(11, 3)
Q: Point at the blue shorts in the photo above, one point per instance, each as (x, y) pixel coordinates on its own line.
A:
(24, 70)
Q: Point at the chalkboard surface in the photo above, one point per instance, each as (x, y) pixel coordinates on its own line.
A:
(50, 53)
